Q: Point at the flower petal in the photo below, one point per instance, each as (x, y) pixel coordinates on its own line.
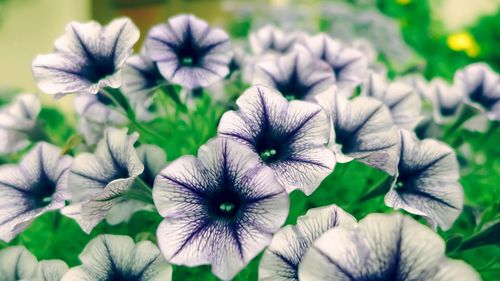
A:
(281, 259)
(114, 256)
(427, 183)
(16, 263)
(382, 247)
(49, 270)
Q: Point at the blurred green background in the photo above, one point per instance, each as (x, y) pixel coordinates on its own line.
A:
(445, 35)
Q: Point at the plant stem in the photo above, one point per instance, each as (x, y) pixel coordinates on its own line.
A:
(465, 114)
(141, 191)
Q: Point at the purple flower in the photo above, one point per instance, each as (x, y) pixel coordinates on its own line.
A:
(17, 263)
(362, 129)
(18, 123)
(403, 102)
(36, 185)
(270, 39)
(99, 181)
(296, 75)
(481, 87)
(349, 65)
(446, 100)
(289, 137)
(382, 247)
(116, 257)
(189, 52)
(427, 181)
(87, 58)
(221, 208)
(282, 258)
(99, 108)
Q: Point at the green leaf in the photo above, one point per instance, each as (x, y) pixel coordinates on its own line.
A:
(488, 236)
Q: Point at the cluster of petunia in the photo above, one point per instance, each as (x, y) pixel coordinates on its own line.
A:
(313, 101)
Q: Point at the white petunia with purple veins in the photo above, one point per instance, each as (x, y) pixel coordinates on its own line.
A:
(36, 185)
(382, 247)
(117, 257)
(362, 129)
(87, 58)
(297, 75)
(427, 181)
(141, 79)
(481, 87)
(281, 259)
(189, 52)
(446, 99)
(349, 65)
(272, 40)
(104, 179)
(221, 208)
(403, 102)
(18, 123)
(289, 136)
(154, 160)
(99, 108)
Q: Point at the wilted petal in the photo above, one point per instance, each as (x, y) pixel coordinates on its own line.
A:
(297, 75)
(37, 185)
(114, 257)
(362, 129)
(221, 208)
(98, 181)
(16, 263)
(270, 39)
(189, 52)
(290, 137)
(427, 182)
(281, 259)
(87, 58)
(382, 247)
(18, 123)
(49, 270)
(404, 103)
(349, 65)
(481, 87)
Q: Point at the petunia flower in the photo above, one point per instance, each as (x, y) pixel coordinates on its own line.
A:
(290, 137)
(141, 79)
(446, 100)
(87, 58)
(117, 257)
(427, 181)
(18, 123)
(296, 75)
(270, 39)
(36, 185)
(349, 65)
(49, 270)
(418, 83)
(403, 102)
(16, 263)
(282, 258)
(99, 108)
(221, 208)
(154, 160)
(382, 247)
(99, 181)
(91, 131)
(189, 52)
(481, 87)
(362, 129)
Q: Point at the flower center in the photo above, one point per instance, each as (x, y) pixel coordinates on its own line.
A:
(268, 154)
(227, 207)
(187, 61)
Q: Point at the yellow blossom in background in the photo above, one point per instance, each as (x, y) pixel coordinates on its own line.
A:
(403, 2)
(463, 41)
